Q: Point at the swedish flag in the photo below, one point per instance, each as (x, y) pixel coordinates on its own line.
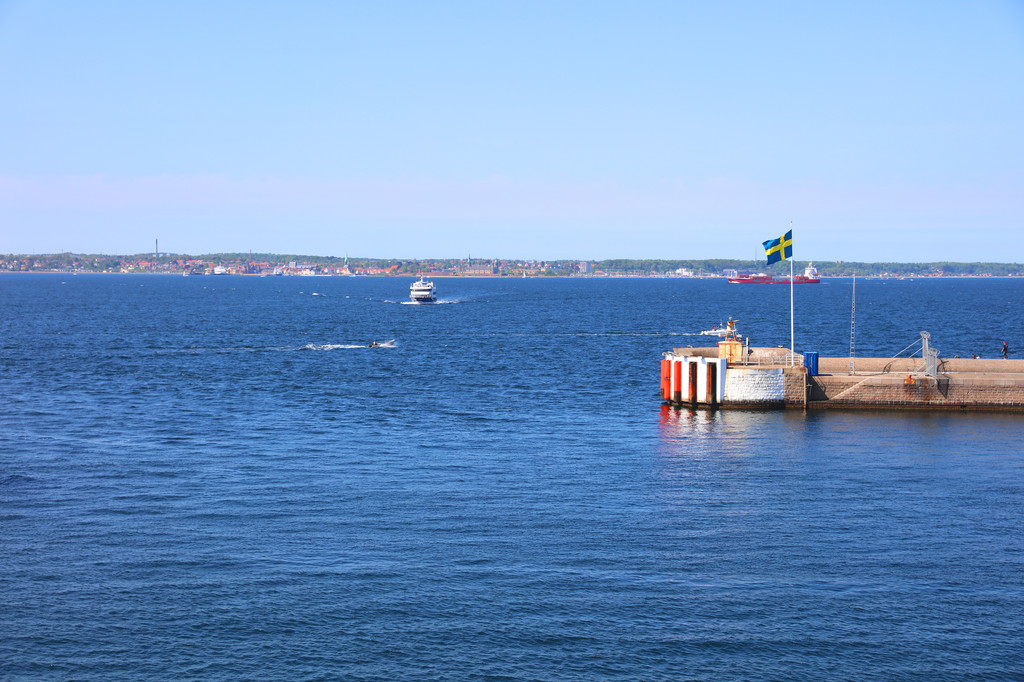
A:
(779, 248)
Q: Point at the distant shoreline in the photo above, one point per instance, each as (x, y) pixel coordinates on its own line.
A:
(496, 276)
(274, 264)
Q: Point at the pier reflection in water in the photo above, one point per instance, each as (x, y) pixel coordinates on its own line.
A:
(701, 433)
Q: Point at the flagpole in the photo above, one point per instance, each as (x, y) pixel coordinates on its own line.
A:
(792, 335)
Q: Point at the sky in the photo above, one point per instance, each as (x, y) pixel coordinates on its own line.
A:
(881, 131)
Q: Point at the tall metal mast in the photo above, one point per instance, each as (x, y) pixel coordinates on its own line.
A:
(792, 344)
(853, 317)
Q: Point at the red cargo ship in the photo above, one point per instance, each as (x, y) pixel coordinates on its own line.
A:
(810, 276)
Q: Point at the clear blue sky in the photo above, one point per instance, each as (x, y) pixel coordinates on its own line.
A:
(590, 130)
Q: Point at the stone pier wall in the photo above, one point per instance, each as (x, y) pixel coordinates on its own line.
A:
(755, 386)
(961, 383)
(946, 391)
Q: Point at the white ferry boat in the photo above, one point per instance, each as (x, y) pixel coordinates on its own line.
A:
(422, 292)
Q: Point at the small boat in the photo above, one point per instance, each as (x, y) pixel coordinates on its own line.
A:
(422, 292)
(727, 330)
(810, 276)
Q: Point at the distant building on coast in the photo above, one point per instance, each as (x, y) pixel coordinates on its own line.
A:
(472, 268)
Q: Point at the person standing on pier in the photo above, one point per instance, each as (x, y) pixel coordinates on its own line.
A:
(1006, 351)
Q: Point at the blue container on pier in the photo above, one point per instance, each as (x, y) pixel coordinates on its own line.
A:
(811, 363)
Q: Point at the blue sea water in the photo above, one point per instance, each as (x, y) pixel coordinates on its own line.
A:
(215, 478)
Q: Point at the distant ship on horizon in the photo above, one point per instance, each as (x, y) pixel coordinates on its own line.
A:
(810, 276)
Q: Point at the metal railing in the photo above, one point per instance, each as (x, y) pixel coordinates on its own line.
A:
(760, 357)
(753, 357)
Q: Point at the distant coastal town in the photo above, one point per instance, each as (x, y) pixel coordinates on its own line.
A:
(265, 264)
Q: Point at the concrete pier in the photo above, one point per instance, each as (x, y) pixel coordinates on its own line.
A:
(769, 378)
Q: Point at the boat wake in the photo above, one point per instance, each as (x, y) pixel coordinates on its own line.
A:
(331, 346)
(349, 346)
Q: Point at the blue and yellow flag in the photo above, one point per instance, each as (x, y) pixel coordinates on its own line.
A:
(779, 248)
